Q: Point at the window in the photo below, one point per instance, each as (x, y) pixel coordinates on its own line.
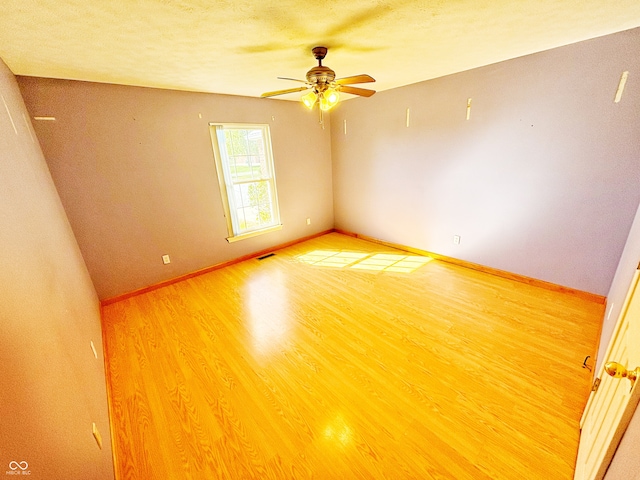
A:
(244, 163)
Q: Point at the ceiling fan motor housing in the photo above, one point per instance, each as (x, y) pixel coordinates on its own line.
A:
(321, 76)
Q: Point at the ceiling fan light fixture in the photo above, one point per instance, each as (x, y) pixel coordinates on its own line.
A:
(329, 99)
(309, 100)
(323, 86)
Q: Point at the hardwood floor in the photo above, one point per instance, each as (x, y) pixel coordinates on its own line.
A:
(316, 363)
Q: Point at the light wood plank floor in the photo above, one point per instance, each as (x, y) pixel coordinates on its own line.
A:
(316, 363)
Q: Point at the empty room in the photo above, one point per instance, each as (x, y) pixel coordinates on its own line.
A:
(281, 240)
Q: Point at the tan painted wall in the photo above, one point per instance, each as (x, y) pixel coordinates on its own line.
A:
(541, 181)
(51, 386)
(135, 171)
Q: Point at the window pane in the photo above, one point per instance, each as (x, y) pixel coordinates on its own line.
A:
(237, 194)
(265, 213)
(252, 217)
(247, 156)
(245, 168)
(255, 142)
(257, 169)
(258, 193)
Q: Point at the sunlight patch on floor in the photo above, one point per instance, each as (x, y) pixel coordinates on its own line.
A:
(387, 262)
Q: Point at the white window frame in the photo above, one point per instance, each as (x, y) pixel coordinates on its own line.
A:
(227, 184)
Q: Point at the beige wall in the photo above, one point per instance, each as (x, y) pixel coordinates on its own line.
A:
(135, 171)
(51, 386)
(541, 181)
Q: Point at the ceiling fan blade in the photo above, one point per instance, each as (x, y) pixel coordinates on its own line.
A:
(282, 92)
(363, 92)
(292, 79)
(355, 79)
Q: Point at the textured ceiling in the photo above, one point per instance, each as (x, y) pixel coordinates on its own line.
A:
(240, 46)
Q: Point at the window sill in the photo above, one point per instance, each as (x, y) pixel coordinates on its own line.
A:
(254, 233)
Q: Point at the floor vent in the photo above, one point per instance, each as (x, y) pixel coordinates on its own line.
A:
(266, 256)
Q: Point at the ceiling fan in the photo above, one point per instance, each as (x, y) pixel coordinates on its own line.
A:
(324, 86)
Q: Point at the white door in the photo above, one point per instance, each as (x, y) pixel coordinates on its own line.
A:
(612, 405)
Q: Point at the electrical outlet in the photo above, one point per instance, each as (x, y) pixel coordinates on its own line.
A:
(166, 260)
(308, 221)
(456, 239)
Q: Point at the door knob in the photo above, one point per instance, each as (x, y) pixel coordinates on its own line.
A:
(617, 370)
